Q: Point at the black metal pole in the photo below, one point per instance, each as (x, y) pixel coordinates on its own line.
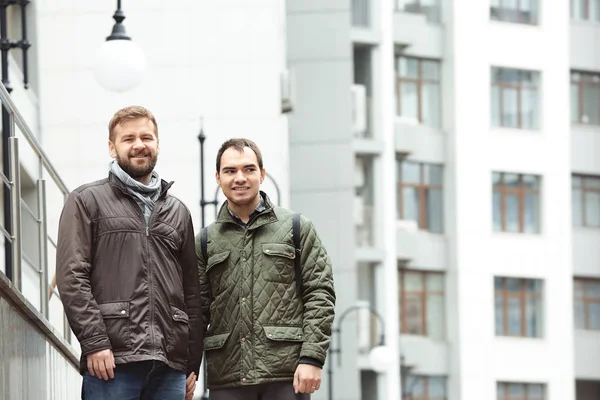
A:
(5, 46)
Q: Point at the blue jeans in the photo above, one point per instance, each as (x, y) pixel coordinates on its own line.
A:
(146, 380)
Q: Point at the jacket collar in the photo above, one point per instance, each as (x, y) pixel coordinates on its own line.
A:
(116, 183)
(266, 216)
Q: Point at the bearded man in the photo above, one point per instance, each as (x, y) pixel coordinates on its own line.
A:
(127, 274)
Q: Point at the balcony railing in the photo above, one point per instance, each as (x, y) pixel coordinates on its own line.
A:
(430, 8)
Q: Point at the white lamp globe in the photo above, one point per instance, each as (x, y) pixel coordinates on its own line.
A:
(120, 65)
(380, 358)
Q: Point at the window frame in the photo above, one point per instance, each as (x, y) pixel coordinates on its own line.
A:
(584, 189)
(426, 379)
(586, 301)
(580, 84)
(519, 87)
(419, 82)
(523, 295)
(521, 192)
(586, 12)
(526, 387)
(402, 271)
(503, 9)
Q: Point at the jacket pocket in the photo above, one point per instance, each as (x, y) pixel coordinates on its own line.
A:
(116, 320)
(218, 357)
(214, 342)
(217, 272)
(282, 351)
(179, 332)
(278, 260)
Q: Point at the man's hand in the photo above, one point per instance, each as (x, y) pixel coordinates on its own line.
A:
(101, 364)
(307, 378)
(190, 386)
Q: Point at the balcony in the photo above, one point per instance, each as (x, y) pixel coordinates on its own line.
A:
(420, 142)
(420, 248)
(586, 257)
(417, 29)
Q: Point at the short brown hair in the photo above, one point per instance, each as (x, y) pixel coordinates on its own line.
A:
(239, 144)
(129, 114)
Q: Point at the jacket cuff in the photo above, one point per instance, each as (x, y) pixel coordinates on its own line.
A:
(94, 344)
(311, 361)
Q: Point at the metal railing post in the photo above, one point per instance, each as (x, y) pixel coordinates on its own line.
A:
(43, 235)
(15, 210)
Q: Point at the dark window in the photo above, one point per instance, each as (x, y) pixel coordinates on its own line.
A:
(430, 8)
(418, 90)
(422, 303)
(585, 98)
(420, 194)
(518, 304)
(516, 202)
(419, 387)
(586, 301)
(517, 11)
(520, 391)
(515, 98)
(585, 191)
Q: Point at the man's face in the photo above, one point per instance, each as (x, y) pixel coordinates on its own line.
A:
(135, 148)
(240, 177)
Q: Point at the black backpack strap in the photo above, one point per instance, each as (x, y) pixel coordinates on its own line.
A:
(297, 266)
(204, 244)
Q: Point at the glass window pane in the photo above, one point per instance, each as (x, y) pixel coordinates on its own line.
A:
(408, 67)
(496, 178)
(594, 10)
(413, 281)
(592, 290)
(510, 109)
(430, 70)
(531, 182)
(532, 213)
(577, 206)
(534, 286)
(409, 100)
(591, 104)
(437, 387)
(514, 316)
(501, 389)
(435, 282)
(578, 288)
(532, 316)
(592, 182)
(435, 316)
(497, 75)
(576, 181)
(529, 108)
(417, 383)
(499, 314)
(511, 180)
(575, 103)
(592, 209)
(512, 213)
(498, 283)
(411, 172)
(435, 220)
(497, 211)
(594, 315)
(410, 203)
(414, 314)
(579, 313)
(495, 103)
(433, 174)
(430, 104)
(535, 392)
(513, 285)
(516, 390)
(577, 9)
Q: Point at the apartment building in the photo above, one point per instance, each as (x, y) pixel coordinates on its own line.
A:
(456, 144)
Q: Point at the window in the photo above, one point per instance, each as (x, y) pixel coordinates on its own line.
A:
(586, 295)
(518, 11)
(588, 10)
(515, 98)
(520, 391)
(585, 98)
(425, 388)
(422, 303)
(430, 8)
(518, 304)
(420, 194)
(585, 191)
(516, 202)
(418, 91)
(363, 201)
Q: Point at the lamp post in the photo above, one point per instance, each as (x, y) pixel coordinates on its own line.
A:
(379, 356)
(120, 63)
(6, 44)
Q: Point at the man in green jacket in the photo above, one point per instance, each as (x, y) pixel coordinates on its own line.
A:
(268, 318)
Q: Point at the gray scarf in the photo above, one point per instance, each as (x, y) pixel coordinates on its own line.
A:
(144, 195)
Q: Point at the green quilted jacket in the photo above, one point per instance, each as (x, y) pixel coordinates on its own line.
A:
(258, 324)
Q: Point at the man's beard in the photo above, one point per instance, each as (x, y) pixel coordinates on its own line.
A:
(137, 172)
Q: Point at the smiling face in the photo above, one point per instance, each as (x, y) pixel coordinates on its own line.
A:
(240, 177)
(135, 147)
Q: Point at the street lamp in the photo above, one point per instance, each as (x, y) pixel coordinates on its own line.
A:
(120, 63)
(6, 44)
(380, 357)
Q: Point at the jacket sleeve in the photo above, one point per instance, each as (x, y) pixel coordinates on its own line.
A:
(191, 291)
(205, 292)
(73, 270)
(318, 294)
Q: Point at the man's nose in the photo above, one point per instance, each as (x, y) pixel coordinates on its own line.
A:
(138, 144)
(239, 176)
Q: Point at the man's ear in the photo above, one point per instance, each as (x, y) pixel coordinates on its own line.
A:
(218, 178)
(112, 150)
(263, 173)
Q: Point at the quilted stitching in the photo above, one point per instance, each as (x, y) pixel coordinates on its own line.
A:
(252, 290)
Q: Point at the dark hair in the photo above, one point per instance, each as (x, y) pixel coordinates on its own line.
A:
(129, 114)
(239, 144)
